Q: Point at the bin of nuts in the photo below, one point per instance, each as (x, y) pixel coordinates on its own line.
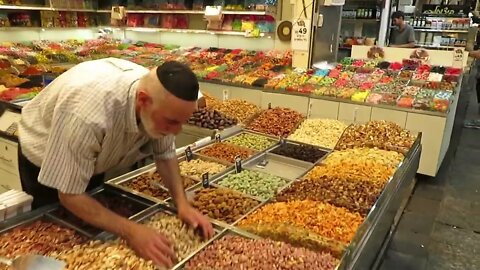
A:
(184, 238)
(236, 252)
(240, 110)
(222, 204)
(303, 152)
(251, 141)
(146, 184)
(322, 218)
(277, 122)
(196, 167)
(320, 132)
(258, 184)
(38, 237)
(377, 134)
(383, 157)
(97, 255)
(226, 152)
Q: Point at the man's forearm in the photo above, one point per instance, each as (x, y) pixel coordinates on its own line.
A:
(168, 170)
(91, 211)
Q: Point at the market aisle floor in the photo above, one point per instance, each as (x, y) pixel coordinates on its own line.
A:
(440, 228)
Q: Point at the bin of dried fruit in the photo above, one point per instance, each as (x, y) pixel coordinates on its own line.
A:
(441, 101)
(380, 134)
(345, 93)
(38, 237)
(320, 132)
(253, 183)
(405, 101)
(226, 152)
(211, 119)
(184, 239)
(237, 109)
(97, 255)
(147, 184)
(236, 252)
(195, 168)
(303, 152)
(353, 185)
(321, 218)
(223, 204)
(388, 158)
(252, 141)
(277, 121)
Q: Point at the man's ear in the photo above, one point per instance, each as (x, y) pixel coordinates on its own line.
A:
(143, 98)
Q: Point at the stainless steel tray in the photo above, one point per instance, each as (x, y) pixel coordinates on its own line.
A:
(280, 166)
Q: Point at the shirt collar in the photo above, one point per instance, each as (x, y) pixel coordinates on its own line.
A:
(131, 115)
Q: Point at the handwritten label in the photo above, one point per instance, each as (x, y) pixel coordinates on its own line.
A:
(446, 10)
(205, 180)
(238, 164)
(188, 153)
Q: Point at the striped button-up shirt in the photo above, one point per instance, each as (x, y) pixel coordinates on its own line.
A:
(84, 123)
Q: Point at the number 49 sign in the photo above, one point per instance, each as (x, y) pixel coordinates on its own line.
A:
(301, 31)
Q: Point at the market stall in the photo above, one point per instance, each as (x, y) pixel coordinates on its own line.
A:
(255, 196)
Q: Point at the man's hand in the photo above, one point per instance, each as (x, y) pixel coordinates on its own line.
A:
(195, 219)
(152, 245)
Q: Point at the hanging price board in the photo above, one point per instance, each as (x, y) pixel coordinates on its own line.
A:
(301, 31)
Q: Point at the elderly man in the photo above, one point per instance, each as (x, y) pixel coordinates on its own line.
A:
(103, 114)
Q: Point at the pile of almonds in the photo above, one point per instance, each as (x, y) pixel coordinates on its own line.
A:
(319, 132)
(277, 122)
(377, 134)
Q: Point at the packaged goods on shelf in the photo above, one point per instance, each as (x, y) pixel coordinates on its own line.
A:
(379, 134)
(321, 218)
(224, 253)
(320, 132)
(223, 204)
(277, 122)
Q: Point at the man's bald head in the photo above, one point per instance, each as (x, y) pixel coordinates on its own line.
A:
(166, 98)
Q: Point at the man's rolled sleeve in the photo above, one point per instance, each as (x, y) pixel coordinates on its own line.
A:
(70, 156)
(164, 148)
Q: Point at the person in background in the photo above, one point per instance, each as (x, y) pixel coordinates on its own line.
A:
(103, 114)
(403, 35)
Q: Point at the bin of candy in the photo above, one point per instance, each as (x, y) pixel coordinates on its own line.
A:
(383, 65)
(366, 85)
(360, 96)
(438, 69)
(453, 71)
(374, 98)
(334, 73)
(451, 78)
(405, 75)
(424, 99)
(410, 91)
(441, 101)
(450, 86)
(421, 76)
(388, 98)
(395, 66)
(376, 75)
(385, 80)
(346, 75)
(435, 77)
(405, 101)
(365, 69)
(410, 64)
(345, 93)
(346, 61)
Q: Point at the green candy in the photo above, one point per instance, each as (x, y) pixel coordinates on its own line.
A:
(252, 141)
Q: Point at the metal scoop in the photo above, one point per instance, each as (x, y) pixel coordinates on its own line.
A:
(33, 262)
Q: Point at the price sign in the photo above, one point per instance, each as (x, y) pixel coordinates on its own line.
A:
(218, 138)
(457, 58)
(238, 164)
(205, 180)
(301, 31)
(269, 106)
(188, 153)
(282, 140)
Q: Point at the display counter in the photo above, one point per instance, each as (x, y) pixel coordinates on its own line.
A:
(140, 196)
